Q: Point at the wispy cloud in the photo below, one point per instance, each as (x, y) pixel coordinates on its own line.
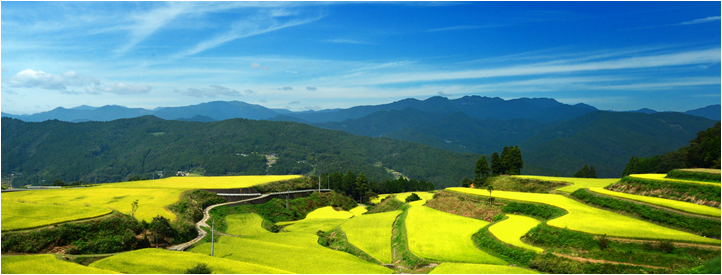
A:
(213, 91)
(255, 25)
(149, 22)
(702, 20)
(694, 57)
(463, 27)
(119, 89)
(346, 41)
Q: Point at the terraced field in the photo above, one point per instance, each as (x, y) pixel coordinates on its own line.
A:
(294, 252)
(577, 183)
(662, 177)
(45, 264)
(592, 220)
(512, 229)
(673, 204)
(17, 215)
(377, 225)
(29, 209)
(461, 268)
(161, 261)
(437, 235)
(324, 218)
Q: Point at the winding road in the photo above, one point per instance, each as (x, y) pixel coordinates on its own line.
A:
(203, 222)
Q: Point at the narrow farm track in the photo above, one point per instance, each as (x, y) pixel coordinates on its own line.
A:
(678, 244)
(203, 222)
(580, 259)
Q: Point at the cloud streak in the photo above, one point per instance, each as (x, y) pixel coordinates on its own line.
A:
(650, 61)
(256, 25)
(702, 20)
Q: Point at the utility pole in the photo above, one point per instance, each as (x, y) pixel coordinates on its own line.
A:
(213, 228)
(319, 183)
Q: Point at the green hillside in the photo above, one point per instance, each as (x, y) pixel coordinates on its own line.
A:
(39, 153)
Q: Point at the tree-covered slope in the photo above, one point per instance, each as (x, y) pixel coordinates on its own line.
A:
(607, 140)
(39, 153)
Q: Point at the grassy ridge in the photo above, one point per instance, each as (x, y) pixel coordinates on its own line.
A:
(45, 264)
(678, 205)
(592, 220)
(697, 225)
(663, 177)
(710, 175)
(709, 195)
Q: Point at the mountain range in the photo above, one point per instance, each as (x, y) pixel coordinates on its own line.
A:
(554, 137)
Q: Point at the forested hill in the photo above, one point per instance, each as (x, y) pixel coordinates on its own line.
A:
(125, 148)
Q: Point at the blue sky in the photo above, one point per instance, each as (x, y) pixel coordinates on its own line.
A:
(320, 55)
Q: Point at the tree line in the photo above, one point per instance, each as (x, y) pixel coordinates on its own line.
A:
(702, 152)
(362, 190)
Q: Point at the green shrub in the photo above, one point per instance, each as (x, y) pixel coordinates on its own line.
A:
(200, 268)
(413, 197)
(115, 234)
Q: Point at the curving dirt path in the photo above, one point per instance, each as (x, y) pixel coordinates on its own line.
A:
(203, 222)
(580, 259)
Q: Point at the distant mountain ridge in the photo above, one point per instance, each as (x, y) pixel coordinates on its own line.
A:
(540, 109)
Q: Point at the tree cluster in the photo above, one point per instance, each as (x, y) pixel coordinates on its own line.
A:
(361, 189)
(702, 152)
(510, 162)
(586, 172)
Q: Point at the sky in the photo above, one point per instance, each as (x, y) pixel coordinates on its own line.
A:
(322, 55)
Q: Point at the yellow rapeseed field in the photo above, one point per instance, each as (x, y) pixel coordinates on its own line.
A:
(17, 215)
(593, 220)
(512, 229)
(79, 203)
(577, 183)
(437, 235)
(291, 251)
(372, 233)
(161, 261)
(45, 264)
(461, 268)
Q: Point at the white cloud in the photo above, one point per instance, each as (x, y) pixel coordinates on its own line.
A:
(311, 88)
(702, 20)
(258, 66)
(213, 91)
(30, 78)
(119, 89)
(441, 93)
(296, 102)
